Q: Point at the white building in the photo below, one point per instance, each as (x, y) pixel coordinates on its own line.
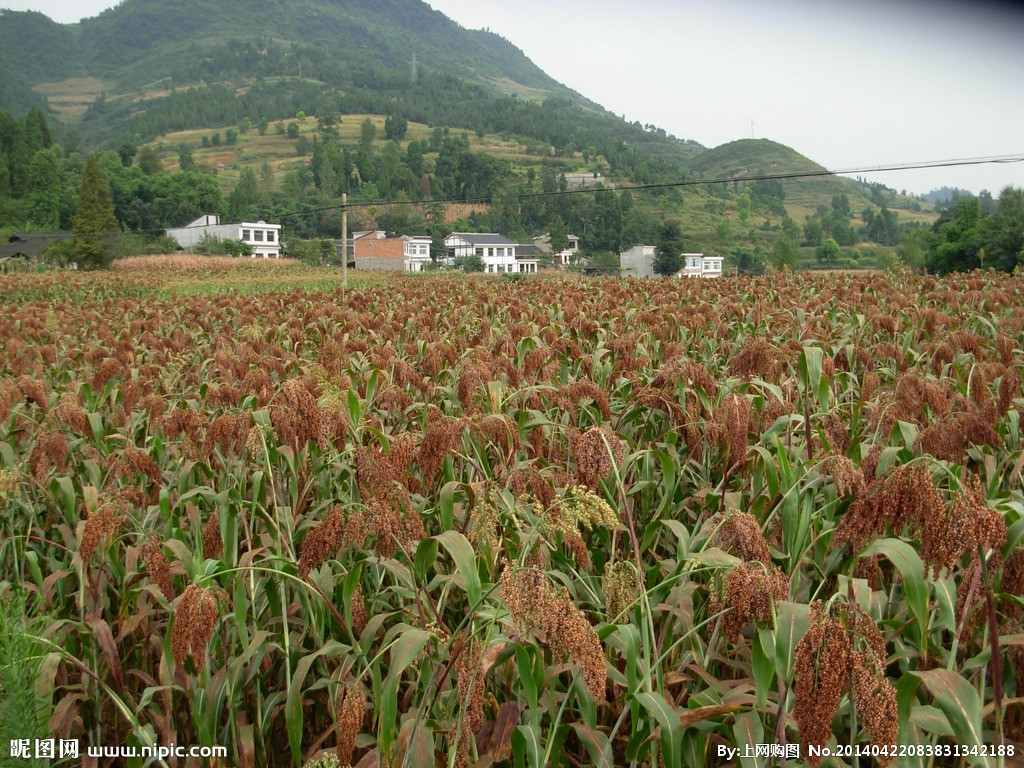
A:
(562, 258)
(417, 253)
(497, 252)
(638, 261)
(699, 265)
(264, 238)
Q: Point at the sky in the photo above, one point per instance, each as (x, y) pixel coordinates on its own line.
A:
(850, 84)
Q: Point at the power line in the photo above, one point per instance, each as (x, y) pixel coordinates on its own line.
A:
(699, 182)
(908, 166)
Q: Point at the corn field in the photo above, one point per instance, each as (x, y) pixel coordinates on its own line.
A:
(459, 521)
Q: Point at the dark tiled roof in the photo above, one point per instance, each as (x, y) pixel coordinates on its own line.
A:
(485, 238)
(31, 244)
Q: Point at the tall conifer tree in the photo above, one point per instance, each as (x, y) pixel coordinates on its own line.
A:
(95, 224)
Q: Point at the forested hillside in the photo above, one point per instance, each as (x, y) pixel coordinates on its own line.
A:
(391, 102)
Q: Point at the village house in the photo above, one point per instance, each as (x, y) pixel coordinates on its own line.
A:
(374, 250)
(497, 252)
(699, 265)
(30, 245)
(638, 261)
(563, 258)
(587, 180)
(265, 239)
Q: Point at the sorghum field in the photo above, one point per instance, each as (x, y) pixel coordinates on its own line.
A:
(471, 521)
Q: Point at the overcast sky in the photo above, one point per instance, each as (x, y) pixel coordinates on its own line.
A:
(851, 84)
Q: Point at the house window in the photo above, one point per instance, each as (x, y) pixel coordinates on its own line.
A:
(270, 235)
(246, 234)
(257, 235)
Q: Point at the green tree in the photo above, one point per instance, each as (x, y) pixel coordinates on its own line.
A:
(748, 260)
(148, 161)
(743, 204)
(790, 228)
(914, 247)
(37, 132)
(395, 125)
(669, 258)
(605, 261)
(95, 225)
(957, 239)
(45, 189)
(243, 196)
(785, 253)
(1003, 232)
(828, 252)
(127, 152)
(414, 158)
(559, 234)
(812, 232)
(470, 263)
(266, 178)
(185, 160)
(367, 133)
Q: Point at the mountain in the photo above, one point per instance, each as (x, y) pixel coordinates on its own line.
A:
(144, 42)
(171, 76)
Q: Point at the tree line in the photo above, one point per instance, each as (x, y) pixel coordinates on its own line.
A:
(974, 232)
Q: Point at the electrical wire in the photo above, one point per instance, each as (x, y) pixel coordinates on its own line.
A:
(999, 159)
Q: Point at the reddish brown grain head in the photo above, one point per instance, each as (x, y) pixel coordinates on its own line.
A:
(349, 722)
(194, 619)
(157, 566)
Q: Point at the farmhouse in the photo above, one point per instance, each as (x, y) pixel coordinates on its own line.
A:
(30, 245)
(497, 252)
(563, 258)
(699, 265)
(264, 238)
(587, 181)
(638, 261)
(375, 250)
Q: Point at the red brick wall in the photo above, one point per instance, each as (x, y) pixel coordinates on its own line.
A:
(371, 248)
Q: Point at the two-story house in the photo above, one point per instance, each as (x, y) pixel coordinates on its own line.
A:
(264, 238)
(375, 250)
(564, 257)
(497, 252)
(699, 265)
(638, 261)
(417, 253)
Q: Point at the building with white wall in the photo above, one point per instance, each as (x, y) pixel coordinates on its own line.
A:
(264, 238)
(638, 261)
(562, 258)
(497, 252)
(416, 251)
(699, 265)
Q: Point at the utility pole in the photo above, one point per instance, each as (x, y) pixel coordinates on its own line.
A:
(344, 239)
